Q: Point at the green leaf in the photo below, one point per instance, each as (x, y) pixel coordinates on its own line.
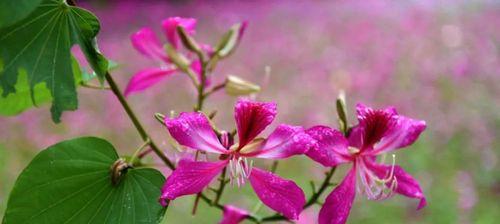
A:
(70, 182)
(41, 45)
(23, 99)
(87, 76)
(13, 11)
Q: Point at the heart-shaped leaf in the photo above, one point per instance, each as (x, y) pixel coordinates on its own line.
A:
(70, 182)
(41, 43)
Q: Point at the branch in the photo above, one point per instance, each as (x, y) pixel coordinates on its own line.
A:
(215, 89)
(142, 132)
(90, 86)
(222, 184)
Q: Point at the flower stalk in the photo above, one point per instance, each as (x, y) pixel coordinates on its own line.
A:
(137, 124)
(222, 184)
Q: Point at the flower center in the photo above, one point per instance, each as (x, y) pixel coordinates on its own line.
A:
(353, 150)
(239, 169)
(374, 187)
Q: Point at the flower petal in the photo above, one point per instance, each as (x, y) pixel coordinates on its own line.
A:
(169, 26)
(384, 130)
(193, 130)
(147, 78)
(406, 184)
(338, 204)
(405, 132)
(356, 135)
(283, 196)
(331, 148)
(252, 118)
(190, 177)
(146, 42)
(285, 141)
(233, 215)
(375, 123)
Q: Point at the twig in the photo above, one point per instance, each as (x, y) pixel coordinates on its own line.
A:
(222, 184)
(138, 150)
(215, 89)
(90, 86)
(142, 132)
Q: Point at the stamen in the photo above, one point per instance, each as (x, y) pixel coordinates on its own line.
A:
(240, 169)
(374, 187)
(352, 150)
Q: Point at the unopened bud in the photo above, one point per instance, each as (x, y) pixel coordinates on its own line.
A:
(235, 86)
(160, 118)
(180, 61)
(230, 40)
(342, 112)
(188, 41)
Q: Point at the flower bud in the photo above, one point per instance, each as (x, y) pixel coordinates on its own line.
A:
(342, 112)
(235, 86)
(188, 41)
(230, 40)
(180, 61)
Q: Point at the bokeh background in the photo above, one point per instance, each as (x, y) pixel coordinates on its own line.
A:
(434, 60)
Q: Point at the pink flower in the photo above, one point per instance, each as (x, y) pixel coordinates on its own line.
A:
(378, 131)
(194, 131)
(233, 215)
(146, 42)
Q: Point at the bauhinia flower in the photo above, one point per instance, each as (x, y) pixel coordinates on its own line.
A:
(193, 130)
(233, 215)
(378, 132)
(146, 42)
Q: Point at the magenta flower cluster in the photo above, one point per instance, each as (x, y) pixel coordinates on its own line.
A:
(378, 132)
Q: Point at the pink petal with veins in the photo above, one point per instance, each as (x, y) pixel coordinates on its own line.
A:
(331, 148)
(281, 195)
(252, 118)
(405, 132)
(285, 141)
(146, 42)
(338, 204)
(233, 215)
(190, 177)
(194, 130)
(147, 78)
(406, 184)
(169, 26)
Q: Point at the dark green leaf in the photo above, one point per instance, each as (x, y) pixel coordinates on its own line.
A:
(41, 45)
(23, 99)
(90, 75)
(70, 182)
(13, 11)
